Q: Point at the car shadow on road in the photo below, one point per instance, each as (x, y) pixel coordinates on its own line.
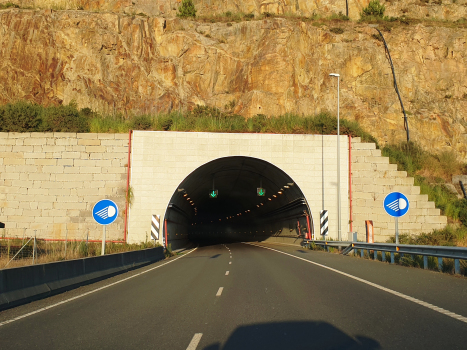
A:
(293, 336)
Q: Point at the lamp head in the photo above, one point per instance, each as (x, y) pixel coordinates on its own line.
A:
(334, 75)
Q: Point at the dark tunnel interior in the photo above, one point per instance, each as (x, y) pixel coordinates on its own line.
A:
(236, 213)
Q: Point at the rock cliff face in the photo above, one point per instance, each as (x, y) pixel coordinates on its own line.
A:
(452, 10)
(138, 64)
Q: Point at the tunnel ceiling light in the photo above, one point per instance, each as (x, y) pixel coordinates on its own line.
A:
(290, 183)
(188, 199)
(286, 186)
(181, 190)
(262, 204)
(280, 192)
(269, 199)
(274, 196)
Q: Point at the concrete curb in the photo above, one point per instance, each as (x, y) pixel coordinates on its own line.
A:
(24, 284)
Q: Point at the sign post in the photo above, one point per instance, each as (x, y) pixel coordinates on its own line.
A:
(396, 205)
(104, 213)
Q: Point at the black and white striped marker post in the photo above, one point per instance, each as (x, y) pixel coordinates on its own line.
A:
(324, 222)
(155, 225)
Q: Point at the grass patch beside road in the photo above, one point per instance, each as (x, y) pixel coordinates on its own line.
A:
(48, 251)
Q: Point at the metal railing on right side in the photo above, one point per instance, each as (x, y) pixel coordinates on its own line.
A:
(456, 253)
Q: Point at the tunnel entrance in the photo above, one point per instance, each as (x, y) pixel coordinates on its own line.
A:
(219, 203)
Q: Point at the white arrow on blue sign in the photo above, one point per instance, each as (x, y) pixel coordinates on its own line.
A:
(105, 212)
(396, 204)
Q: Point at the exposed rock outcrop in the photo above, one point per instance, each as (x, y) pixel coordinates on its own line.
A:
(138, 64)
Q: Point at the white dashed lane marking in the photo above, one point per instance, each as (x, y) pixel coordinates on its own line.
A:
(219, 292)
(227, 273)
(194, 341)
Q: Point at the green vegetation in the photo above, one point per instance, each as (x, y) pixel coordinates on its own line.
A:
(28, 117)
(449, 236)
(374, 9)
(227, 17)
(8, 5)
(336, 30)
(431, 172)
(187, 9)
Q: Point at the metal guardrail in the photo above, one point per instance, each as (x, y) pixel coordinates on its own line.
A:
(456, 253)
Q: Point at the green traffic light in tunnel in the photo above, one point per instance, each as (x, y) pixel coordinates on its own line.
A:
(213, 194)
(261, 192)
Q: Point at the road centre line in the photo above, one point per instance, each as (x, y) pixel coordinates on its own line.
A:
(226, 273)
(219, 292)
(90, 292)
(390, 291)
(194, 341)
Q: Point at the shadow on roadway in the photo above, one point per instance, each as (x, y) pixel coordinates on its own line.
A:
(293, 336)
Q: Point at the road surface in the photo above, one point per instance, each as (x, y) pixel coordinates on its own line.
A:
(242, 296)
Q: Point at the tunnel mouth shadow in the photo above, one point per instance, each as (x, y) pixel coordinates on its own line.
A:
(293, 335)
(237, 199)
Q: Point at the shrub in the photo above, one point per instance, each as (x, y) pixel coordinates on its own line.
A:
(374, 9)
(187, 9)
(65, 119)
(20, 117)
(142, 122)
(340, 16)
(8, 5)
(337, 30)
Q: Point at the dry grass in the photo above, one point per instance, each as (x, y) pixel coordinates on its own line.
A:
(55, 251)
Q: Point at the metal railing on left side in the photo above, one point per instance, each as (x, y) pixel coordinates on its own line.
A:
(456, 253)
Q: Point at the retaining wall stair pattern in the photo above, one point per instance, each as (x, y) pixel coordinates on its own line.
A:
(372, 179)
(49, 182)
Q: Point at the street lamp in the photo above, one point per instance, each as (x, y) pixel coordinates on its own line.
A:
(339, 236)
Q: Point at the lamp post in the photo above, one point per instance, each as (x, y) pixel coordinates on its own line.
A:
(339, 235)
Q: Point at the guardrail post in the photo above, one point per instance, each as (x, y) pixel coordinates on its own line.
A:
(383, 256)
(375, 254)
(425, 262)
(362, 253)
(440, 264)
(392, 258)
(457, 267)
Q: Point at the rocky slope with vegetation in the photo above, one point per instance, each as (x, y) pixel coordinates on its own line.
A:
(135, 64)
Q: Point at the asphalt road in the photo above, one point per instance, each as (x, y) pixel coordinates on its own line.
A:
(267, 300)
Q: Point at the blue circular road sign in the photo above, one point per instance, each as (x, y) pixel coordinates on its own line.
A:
(396, 204)
(105, 212)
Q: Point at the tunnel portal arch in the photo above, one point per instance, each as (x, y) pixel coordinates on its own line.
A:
(161, 161)
(237, 213)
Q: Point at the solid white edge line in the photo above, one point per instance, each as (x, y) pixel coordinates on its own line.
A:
(90, 292)
(292, 245)
(219, 292)
(194, 341)
(393, 292)
(226, 273)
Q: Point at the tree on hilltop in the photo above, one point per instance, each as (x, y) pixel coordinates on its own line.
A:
(187, 9)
